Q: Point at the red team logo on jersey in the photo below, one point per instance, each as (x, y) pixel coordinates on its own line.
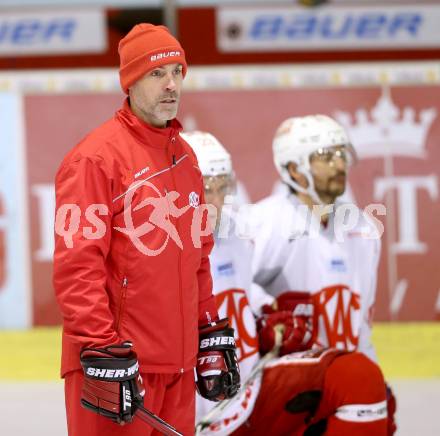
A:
(337, 317)
(234, 304)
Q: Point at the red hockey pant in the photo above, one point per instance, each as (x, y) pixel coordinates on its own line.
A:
(170, 396)
(352, 379)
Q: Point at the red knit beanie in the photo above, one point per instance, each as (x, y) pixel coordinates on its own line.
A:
(145, 47)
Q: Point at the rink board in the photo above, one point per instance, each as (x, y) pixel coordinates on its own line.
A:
(392, 113)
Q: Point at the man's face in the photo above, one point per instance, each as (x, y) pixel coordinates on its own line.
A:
(155, 97)
(216, 189)
(329, 170)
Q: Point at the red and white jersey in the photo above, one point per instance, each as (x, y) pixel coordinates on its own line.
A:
(232, 278)
(336, 264)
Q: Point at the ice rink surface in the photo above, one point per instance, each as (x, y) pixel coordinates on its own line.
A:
(37, 409)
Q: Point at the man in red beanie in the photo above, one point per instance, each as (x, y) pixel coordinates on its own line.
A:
(131, 268)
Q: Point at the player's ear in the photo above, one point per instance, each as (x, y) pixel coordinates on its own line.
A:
(292, 167)
(296, 175)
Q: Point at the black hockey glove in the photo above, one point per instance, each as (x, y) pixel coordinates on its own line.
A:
(112, 384)
(218, 375)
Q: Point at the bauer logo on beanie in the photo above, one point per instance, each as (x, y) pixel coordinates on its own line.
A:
(144, 48)
(167, 54)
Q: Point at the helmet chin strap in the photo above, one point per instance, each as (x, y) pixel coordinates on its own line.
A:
(310, 190)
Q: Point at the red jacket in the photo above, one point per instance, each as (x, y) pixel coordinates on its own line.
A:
(109, 286)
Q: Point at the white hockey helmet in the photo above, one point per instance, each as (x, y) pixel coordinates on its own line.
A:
(213, 158)
(298, 137)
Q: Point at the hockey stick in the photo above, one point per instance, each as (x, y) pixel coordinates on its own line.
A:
(154, 421)
(210, 417)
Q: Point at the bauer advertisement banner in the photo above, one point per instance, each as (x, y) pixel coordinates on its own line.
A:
(330, 27)
(394, 127)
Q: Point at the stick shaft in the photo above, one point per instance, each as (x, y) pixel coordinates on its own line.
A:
(157, 423)
(217, 410)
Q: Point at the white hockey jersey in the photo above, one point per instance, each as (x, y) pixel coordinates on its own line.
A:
(232, 278)
(336, 264)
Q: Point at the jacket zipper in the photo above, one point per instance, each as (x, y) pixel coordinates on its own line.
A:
(122, 303)
(173, 140)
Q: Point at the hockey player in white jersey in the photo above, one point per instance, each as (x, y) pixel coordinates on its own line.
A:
(310, 245)
(307, 240)
(231, 257)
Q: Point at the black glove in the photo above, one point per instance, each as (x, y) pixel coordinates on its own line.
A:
(218, 375)
(112, 384)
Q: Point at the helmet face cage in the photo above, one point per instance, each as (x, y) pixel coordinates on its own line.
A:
(346, 152)
(221, 185)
